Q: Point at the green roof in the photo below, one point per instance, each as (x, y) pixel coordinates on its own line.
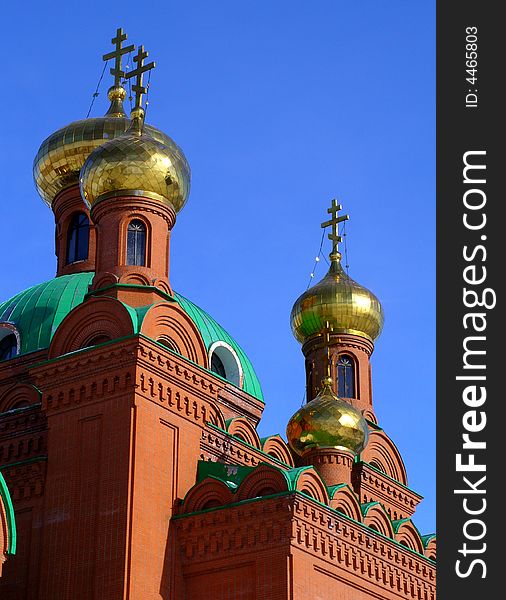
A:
(212, 332)
(227, 473)
(38, 311)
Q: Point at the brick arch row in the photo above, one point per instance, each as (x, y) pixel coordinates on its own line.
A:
(273, 445)
(101, 319)
(264, 480)
(19, 396)
(383, 454)
(408, 535)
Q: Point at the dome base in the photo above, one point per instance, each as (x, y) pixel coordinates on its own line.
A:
(334, 465)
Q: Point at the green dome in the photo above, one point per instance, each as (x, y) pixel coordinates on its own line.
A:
(38, 311)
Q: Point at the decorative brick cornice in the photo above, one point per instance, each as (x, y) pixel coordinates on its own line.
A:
(362, 551)
(238, 529)
(342, 548)
(178, 370)
(84, 377)
(190, 407)
(15, 370)
(372, 485)
(134, 204)
(220, 446)
(240, 402)
(22, 434)
(26, 479)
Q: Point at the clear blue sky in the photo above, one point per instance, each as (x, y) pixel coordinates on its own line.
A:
(279, 106)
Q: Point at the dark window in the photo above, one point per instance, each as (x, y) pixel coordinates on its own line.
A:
(8, 347)
(345, 376)
(136, 243)
(78, 238)
(217, 365)
(100, 339)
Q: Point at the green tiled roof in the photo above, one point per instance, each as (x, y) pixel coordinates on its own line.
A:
(212, 332)
(38, 311)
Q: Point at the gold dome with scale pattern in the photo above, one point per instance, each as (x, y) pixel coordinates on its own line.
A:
(61, 156)
(137, 163)
(327, 421)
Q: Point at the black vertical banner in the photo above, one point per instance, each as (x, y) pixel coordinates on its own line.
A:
(471, 251)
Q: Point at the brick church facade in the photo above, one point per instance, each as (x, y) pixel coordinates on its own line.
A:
(130, 463)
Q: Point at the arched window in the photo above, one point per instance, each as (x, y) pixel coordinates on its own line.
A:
(78, 235)
(136, 243)
(345, 376)
(224, 362)
(217, 366)
(8, 347)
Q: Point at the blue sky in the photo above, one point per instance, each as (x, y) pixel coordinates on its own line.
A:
(279, 106)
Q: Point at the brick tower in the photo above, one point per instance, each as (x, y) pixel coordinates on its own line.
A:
(130, 463)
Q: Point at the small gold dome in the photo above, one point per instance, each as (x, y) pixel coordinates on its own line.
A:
(61, 156)
(339, 301)
(327, 422)
(142, 162)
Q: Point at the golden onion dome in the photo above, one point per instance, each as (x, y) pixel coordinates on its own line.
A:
(62, 155)
(141, 162)
(327, 422)
(340, 302)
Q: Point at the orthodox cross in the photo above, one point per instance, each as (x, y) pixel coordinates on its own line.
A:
(138, 87)
(117, 54)
(334, 223)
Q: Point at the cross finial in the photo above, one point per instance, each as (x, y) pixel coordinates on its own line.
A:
(334, 223)
(117, 54)
(138, 87)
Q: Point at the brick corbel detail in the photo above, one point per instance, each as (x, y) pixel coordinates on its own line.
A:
(340, 548)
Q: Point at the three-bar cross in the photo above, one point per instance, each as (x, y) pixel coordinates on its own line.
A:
(138, 87)
(334, 223)
(117, 54)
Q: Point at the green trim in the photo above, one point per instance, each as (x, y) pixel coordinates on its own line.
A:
(222, 471)
(334, 488)
(11, 519)
(364, 508)
(231, 505)
(16, 411)
(427, 538)
(27, 461)
(274, 435)
(293, 474)
(373, 425)
(131, 336)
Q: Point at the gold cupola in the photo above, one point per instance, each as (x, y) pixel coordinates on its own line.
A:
(337, 300)
(141, 162)
(61, 156)
(327, 422)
